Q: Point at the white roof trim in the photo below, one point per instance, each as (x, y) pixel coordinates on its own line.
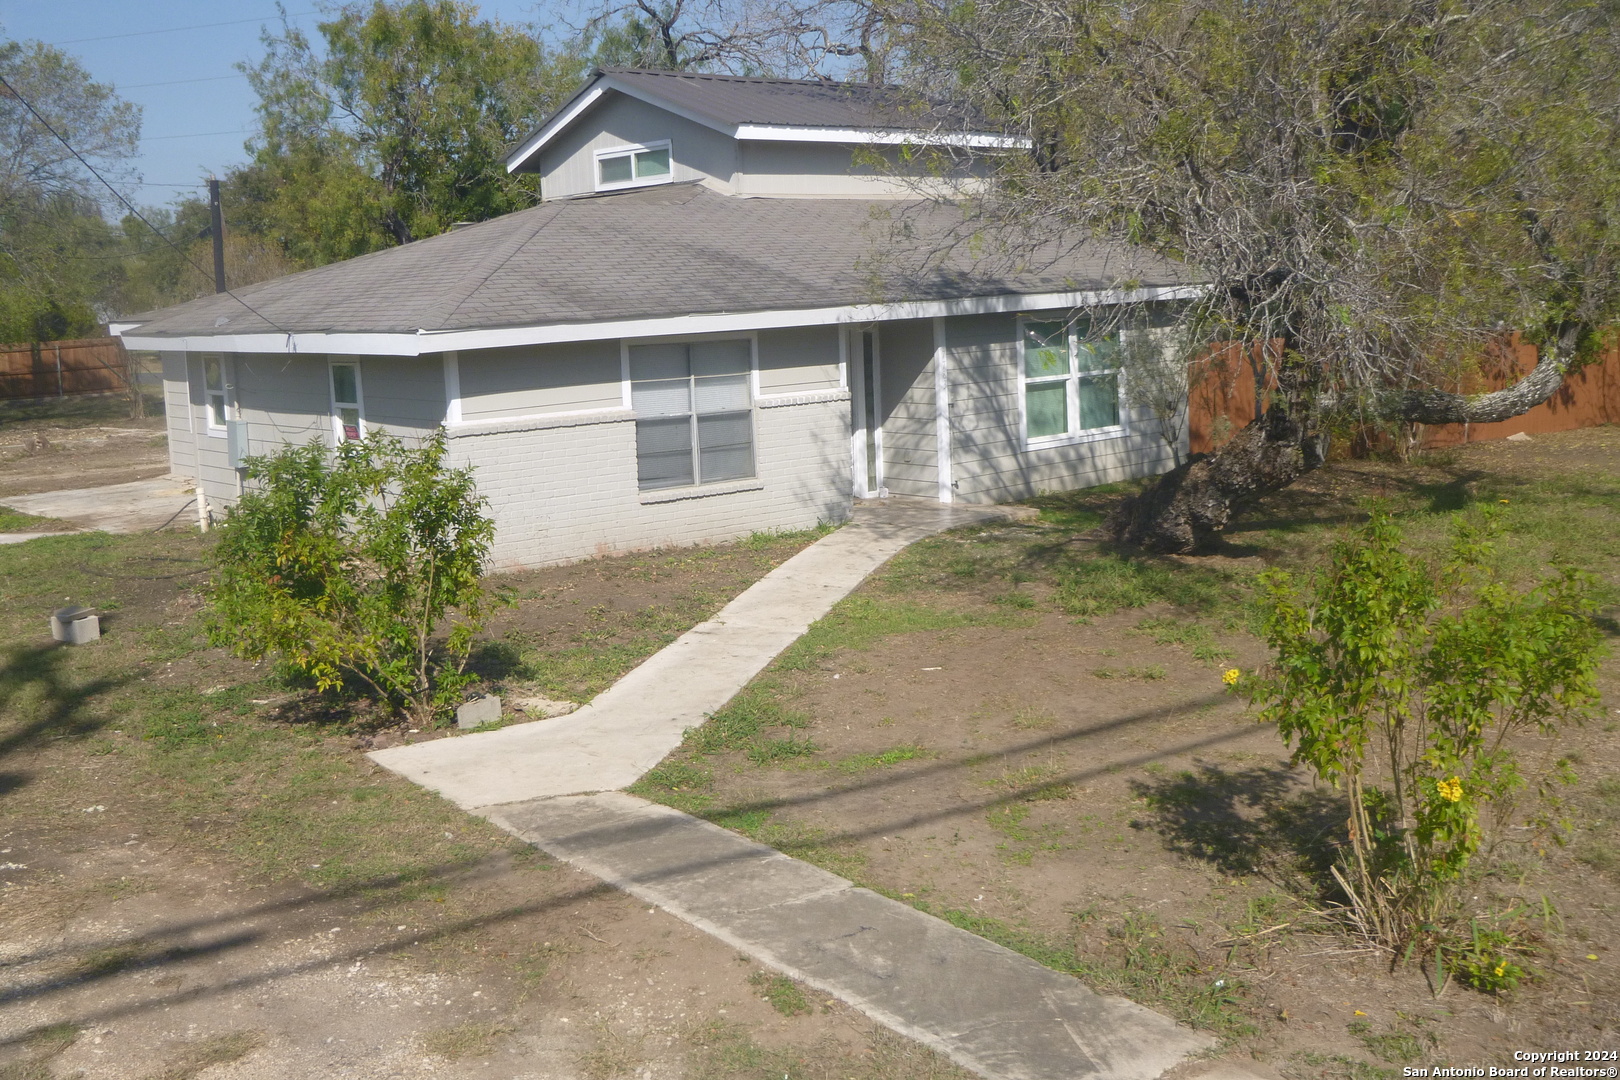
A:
(585, 100)
(763, 132)
(864, 137)
(438, 341)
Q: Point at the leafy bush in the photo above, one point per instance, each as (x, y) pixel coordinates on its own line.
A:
(1408, 685)
(365, 563)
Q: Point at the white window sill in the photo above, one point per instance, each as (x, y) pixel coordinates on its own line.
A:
(1094, 435)
(215, 432)
(701, 491)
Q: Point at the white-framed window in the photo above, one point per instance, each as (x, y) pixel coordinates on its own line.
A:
(633, 166)
(348, 411)
(694, 412)
(1069, 382)
(216, 398)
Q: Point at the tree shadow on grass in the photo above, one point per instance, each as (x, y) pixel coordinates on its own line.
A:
(40, 702)
(1260, 820)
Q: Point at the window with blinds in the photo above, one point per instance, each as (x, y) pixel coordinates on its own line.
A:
(694, 413)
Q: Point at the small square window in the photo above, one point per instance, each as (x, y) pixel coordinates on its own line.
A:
(1070, 382)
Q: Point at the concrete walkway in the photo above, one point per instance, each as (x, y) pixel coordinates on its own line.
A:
(140, 506)
(633, 725)
(991, 1010)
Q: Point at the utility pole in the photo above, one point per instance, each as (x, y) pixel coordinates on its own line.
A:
(217, 227)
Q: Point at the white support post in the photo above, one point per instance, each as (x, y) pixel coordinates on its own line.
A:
(942, 412)
(452, 388)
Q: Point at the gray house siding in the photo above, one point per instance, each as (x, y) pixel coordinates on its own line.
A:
(910, 435)
(989, 461)
(565, 488)
(404, 395)
(282, 399)
(800, 360)
(568, 166)
(539, 379)
(177, 415)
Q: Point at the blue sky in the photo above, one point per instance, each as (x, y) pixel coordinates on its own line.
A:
(174, 59)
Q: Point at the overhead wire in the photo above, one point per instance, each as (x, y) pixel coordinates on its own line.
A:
(12, 90)
(178, 29)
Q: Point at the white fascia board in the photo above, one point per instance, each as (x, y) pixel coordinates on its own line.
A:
(517, 158)
(560, 122)
(438, 341)
(878, 137)
(119, 329)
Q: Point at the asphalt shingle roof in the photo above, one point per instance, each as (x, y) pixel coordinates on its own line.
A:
(672, 250)
(734, 99)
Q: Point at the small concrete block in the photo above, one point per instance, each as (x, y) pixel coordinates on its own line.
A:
(1518, 436)
(83, 629)
(75, 625)
(478, 712)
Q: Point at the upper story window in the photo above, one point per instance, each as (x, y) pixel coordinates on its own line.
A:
(633, 166)
(346, 411)
(217, 410)
(1070, 383)
(694, 416)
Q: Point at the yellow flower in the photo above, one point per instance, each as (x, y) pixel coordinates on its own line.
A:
(1230, 676)
(1450, 789)
(1501, 969)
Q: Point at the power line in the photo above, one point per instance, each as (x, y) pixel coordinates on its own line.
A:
(194, 135)
(128, 205)
(180, 82)
(178, 29)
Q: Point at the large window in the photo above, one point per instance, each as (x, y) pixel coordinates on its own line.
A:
(694, 421)
(214, 390)
(346, 412)
(633, 166)
(1071, 382)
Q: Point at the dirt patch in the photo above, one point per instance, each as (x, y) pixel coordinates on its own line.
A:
(1084, 790)
(36, 457)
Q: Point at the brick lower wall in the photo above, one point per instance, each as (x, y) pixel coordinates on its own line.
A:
(562, 489)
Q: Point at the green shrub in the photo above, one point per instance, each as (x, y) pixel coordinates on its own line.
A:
(365, 563)
(1407, 685)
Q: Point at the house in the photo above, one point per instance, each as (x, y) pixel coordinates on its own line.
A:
(733, 310)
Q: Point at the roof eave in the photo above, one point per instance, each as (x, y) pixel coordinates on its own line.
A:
(361, 343)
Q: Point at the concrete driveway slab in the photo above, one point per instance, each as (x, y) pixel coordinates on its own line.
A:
(141, 506)
(989, 1009)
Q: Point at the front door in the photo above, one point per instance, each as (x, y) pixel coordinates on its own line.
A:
(866, 424)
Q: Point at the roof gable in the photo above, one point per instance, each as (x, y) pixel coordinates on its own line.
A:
(789, 110)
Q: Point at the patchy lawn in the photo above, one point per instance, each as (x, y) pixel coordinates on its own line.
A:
(200, 869)
(1025, 732)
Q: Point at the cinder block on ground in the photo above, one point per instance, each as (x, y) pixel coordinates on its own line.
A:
(75, 625)
(479, 711)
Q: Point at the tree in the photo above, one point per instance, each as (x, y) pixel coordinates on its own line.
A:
(1374, 191)
(362, 565)
(781, 38)
(59, 259)
(396, 128)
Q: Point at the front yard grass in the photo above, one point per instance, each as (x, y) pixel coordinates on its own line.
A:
(1024, 731)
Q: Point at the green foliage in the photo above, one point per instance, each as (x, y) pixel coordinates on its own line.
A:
(1408, 685)
(395, 125)
(59, 262)
(351, 564)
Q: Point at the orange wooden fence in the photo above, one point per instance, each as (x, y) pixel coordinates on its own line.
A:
(64, 368)
(1223, 398)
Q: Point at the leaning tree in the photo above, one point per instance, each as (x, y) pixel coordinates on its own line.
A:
(1378, 193)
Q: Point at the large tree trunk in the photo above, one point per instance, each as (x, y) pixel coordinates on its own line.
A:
(1190, 506)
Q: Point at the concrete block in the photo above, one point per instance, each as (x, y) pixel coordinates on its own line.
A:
(75, 625)
(479, 711)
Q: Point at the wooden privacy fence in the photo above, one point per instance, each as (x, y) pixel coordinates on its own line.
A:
(64, 368)
(1225, 395)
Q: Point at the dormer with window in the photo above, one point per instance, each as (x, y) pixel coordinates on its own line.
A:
(783, 138)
